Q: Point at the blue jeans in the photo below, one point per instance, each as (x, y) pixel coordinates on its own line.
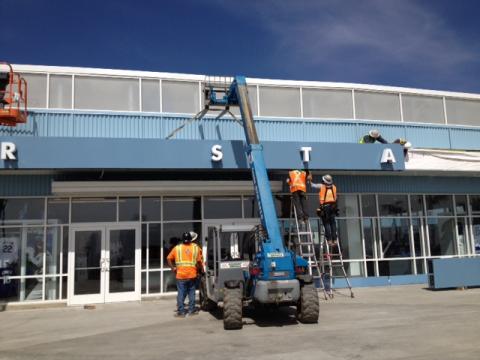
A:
(184, 288)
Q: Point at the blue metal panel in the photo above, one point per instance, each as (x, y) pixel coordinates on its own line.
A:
(468, 139)
(279, 130)
(456, 272)
(25, 185)
(329, 131)
(428, 136)
(381, 281)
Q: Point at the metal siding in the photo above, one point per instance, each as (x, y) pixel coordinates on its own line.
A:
(428, 136)
(58, 123)
(25, 185)
(465, 139)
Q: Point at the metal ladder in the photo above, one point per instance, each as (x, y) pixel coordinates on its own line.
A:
(331, 258)
(305, 248)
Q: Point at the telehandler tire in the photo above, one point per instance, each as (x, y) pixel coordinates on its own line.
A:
(308, 307)
(232, 309)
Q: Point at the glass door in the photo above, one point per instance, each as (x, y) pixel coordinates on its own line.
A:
(104, 263)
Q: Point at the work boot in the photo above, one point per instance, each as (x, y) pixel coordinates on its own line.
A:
(179, 315)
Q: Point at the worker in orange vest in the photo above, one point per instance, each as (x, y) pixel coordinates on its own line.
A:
(328, 207)
(186, 262)
(297, 180)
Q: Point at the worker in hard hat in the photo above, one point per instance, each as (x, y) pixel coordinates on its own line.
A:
(186, 262)
(405, 144)
(327, 209)
(372, 137)
(297, 181)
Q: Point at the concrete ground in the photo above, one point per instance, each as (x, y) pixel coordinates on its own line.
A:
(404, 322)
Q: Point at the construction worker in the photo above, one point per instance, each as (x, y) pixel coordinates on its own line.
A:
(297, 180)
(405, 144)
(328, 207)
(372, 137)
(186, 262)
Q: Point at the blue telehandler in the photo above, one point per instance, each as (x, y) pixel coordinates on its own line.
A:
(245, 265)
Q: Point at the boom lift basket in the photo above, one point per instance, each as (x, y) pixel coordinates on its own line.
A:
(13, 96)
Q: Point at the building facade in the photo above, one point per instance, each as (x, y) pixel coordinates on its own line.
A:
(93, 196)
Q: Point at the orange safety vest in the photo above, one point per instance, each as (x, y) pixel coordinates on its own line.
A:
(298, 180)
(328, 194)
(185, 257)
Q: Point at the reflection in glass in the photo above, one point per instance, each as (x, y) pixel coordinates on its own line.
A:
(222, 207)
(476, 234)
(439, 205)
(416, 202)
(350, 237)
(462, 236)
(31, 289)
(442, 235)
(283, 205)
(144, 246)
(128, 209)
(122, 260)
(393, 205)
(94, 210)
(32, 259)
(57, 211)
(154, 282)
(395, 267)
(368, 233)
(348, 205)
(151, 209)
(21, 210)
(87, 262)
(352, 269)
(395, 237)
(475, 204)
(154, 246)
(122, 279)
(461, 204)
(9, 288)
(52, 288)
(417, 235)
(53, 246)
(182, 208)
(169, 282)
(10, 252)
(368, 205)
(250, 207)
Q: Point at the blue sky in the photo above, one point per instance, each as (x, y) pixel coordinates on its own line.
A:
(414, 43)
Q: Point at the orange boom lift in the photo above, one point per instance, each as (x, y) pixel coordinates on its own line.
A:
(13, 96)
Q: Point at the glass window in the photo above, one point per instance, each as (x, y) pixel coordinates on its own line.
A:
(182, 208)
(151, 96)
(172, 235)
(180, 97)
(250, 207)
(328, 104)
(354, 268)
(154, 246)
(438, 205)
(31, 289)
(52, 288)
(60, 92)
(94, 210)
(283, 205)
(463, 112)
(476, 234)
(154, 282)
(423, 109)
(21, 210)
(462, 236)
(65, 249)
(276, 101)
(53, 247)
(442, 236)
(128, 209)
(416, 201)
(475, 204)
(395, 267)
(348, 205)
(222, 207)
(144, 282)
(151, 208)
(57, 211)
(369, 230)
(349, 233)
(395, 237)
(169, 282)
(37, 90)
(377, 106)
(32, 255)
(252, 96)
(461, 204)
(420, 266)
(369, 208)
(393, 205)
(103, 93)
(418, 237)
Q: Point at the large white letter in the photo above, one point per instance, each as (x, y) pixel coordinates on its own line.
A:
(306, 153)
(8, 151)
(217, 154)
(387, 156)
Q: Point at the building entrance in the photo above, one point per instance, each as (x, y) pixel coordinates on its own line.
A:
(104, 263)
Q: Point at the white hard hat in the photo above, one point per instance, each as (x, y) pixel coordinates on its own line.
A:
(374, 133)
(327, 179)
(194, 235)
(407, 145)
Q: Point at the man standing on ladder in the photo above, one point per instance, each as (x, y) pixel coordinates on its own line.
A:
(297, 180)
(328, 208)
